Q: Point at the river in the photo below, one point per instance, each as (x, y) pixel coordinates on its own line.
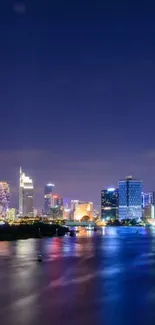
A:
(104, 277)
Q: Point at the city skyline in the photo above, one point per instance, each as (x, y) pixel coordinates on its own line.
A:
(15, 192)
(127, 200)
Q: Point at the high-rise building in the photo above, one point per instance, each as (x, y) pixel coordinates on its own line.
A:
(74, 204)
(56, 212)
(148, 199)
(25, 194)
(130, 198)
(56, 201)
(4, 197)
(48, 190)
(67, 213)
(109, 203)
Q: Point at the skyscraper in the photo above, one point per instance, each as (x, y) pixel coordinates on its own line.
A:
(148, 199)
(56, 201)
(4, 197)
(109, 203)
(48, 197)
(25, 194)
(130, 198)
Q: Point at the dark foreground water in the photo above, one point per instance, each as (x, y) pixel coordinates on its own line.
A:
(96, 278)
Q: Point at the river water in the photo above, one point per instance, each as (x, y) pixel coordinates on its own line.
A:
(104, 277)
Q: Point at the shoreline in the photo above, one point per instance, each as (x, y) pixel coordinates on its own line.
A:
(38, 230)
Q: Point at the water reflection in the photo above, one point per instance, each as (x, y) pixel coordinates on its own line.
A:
(4, 248)
(89, 278)
(26, 248)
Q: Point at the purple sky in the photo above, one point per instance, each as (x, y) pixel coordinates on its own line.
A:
(77, 94)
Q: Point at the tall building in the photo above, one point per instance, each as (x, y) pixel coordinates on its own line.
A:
(48, 190)
(56, 212)
(25, 194)
(74, 204)
(4, 197)
(84, 209)
(148, 199)
(56, 201)
(67, 213)
(130, 198)
(109, 203)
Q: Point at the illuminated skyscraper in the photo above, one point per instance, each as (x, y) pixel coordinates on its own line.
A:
(4, 197)
(56, 201)
(48, 197)
(130, 198)
(109, 203)
(25, 194)
(148, 199)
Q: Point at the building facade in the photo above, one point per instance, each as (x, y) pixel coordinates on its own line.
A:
(83, 209)
(148, 199)
(149, 211)
(56, 201)
(130, 198)
(11, 214)
(4, 197)
(48, 190)
(26, 194)
(109, 204)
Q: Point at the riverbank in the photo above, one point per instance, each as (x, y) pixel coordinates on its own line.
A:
(37, 230)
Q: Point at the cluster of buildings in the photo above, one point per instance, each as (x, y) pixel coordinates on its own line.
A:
(128, 201)
(58, 207)
(54, 206)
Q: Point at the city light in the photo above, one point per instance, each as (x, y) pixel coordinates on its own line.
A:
(25, 194)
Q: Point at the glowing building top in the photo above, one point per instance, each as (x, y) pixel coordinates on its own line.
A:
(25, 181)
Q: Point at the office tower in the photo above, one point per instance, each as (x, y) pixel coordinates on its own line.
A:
(56, 212)
(109, 203)
(48, 190)
(84, 209)
(4, 197)
(67, 213)
(56, 201)
(130, 198)
(66, 203)
(25, 194)
(148, 199)
(74, 204)
(56, 209)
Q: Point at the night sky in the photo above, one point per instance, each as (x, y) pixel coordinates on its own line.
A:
(77, 94)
